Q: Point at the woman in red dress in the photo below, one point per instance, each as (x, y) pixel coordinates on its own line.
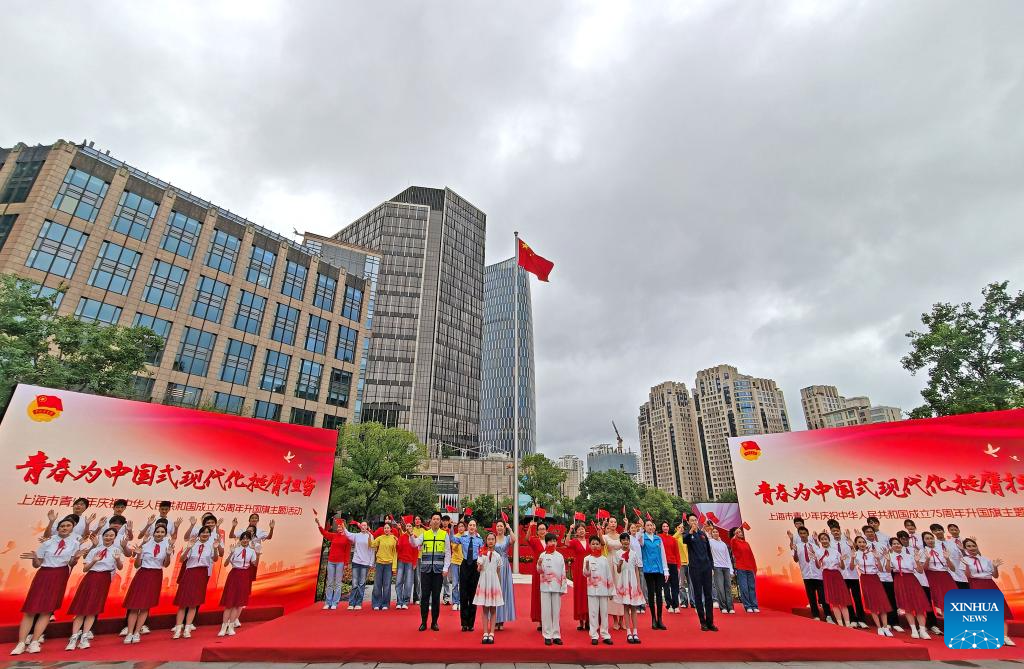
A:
(535, 538)
(578, 550)
(91, 595)
(243, 559)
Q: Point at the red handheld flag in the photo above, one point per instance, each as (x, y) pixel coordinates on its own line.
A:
(353, 522)
(637, 512)
(579, 515)
(407, 519)
(469, 511)
(603, 513)
(745, 525)
(533, 263)
(504, 517)
(623, 513)
(449, 508)
(712, 517)
(540, 512)
(649, 515)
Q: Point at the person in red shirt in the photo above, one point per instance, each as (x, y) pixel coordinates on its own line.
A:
(408, 556)
(668, 540)
(535, 539)
(337, 558)
(579, 549)
(746, 569)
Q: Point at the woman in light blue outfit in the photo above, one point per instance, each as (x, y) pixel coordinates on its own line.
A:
(503, 545)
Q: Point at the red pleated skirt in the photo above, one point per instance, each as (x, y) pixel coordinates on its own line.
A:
(909, 593)
(873, 592)
(91, 595)
(252, 573)
(836, 592)
(144, 590)
(939, 583)
(47, 590)
(192, 588)
(990, 584)
(237, 588)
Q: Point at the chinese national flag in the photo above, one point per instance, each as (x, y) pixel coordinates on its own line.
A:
(602, 514)
(533, 263)
(504, 517)
(579, 515)
(540, 512)
(450, 508)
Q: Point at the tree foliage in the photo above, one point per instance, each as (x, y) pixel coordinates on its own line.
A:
(41, 348)
(540, 478)
(420, 497)
(660, 505)
(973, 356)
(609, 490)
(727, 497)
(375, 463)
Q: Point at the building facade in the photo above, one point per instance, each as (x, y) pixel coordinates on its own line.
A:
(253, 323)
(670, 447)
(605, 458)
(573, 468)
(824, 407)
(424, 356)
(497, 394)
(459, 479)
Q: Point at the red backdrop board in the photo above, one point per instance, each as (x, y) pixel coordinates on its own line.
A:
(70, 445)
(967, 470)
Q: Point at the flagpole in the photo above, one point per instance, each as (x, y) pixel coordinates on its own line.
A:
(515, 406)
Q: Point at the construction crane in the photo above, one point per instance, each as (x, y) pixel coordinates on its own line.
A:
(618, 437)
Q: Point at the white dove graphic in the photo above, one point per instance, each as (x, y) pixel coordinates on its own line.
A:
(992, 451)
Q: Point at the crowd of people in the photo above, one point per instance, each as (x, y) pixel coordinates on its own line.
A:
(893, 579)
(105, 546)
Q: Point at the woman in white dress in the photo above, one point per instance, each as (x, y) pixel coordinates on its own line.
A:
(488, 589)
(627, 592)
(612, 545)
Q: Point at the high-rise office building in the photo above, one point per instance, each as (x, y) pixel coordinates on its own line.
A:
(670, 448)
(253, 323)
(605, 458)
(499, 358)
(824, 407)
(423, 361)
(730, 404)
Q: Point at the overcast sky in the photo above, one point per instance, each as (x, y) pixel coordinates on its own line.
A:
(783, 187)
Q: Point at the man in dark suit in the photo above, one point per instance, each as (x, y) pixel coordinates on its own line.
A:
(701, 564)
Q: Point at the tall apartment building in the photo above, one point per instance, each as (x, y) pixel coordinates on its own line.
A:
(824, 407)
(670, 446)
(573, 467)
(730, 404)
(497, 396)
(253, 323)
(423, 360)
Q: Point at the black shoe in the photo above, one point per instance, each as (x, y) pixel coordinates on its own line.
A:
(629, 638)
(712, 628)
(661, 625)
(557, 642)
(593, 642)
(579, 628)
(636, 639)
(423, 627)
(547, 642)
(539, 628)
(470, 628)
(607, 642)
(434, 627)
(465, 629)
(654, 626)
(703, 628)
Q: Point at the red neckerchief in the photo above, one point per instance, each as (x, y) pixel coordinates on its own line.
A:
(60, 547)
(549, 549)
(807, 553)
(935, 558)
(103, 554)
(156, 549)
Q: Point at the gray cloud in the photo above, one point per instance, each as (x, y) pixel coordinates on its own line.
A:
(784, 187)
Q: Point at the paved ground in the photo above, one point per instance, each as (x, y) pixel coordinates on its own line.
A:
(997, 664)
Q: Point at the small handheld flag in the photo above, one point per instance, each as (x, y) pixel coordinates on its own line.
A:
(449, 508)
(579, 515)
(540, 512)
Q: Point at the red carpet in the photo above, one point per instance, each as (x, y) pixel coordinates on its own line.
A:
(314, 635)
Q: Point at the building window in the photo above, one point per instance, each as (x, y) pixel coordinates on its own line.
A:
(134, 216)
(317, 333)
(6, 225)
(195, 351)
(353, 306)
(308, 386)
(81, 194)
(114, 268)
(338, 388)
(165, 284)
(97, 312)
(21, 181)
(237, 362)
(346, 348)
(275, 371)
(181, 235)
(261, 267)
(183, 396)
(334, 422)
(250, 312)
(57, 249)
(160, 327)
(223, 253)
(286, 322)
(142, 388)
(267, 410)
(211, 297)
(323, 297)
(228, 403)
(302, 417)
(294, 280)
(55, 294)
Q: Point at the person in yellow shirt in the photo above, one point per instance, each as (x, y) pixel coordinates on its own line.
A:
(684, 569)
(386, 547)
(453, 570)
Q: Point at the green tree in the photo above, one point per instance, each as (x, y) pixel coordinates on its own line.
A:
(726, 497)
(659, 504)
(420, 497)
(540, 479)
(484, 509)
(974, 357)
(375, 462)
(41, 348)
(608, 490)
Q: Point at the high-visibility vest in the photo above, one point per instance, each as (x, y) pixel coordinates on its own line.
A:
(432, 550)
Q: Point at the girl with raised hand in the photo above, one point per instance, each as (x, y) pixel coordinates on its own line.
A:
(151, 558)
(982, 574)
(91, 595)
(489, 593)
(869, 564)
(238, 585)
(837, 595)
(910, 598)
(197, 562)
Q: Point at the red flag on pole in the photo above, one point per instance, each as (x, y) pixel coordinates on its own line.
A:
(504, 517)
(712, 517)
(469, 511)
(407, 519)
(449, 508)
(745, 525)
(579, 515)
(649, 515)
(602, 514)
(623, 513)
(637, 512)
(533, 263)
(540, 512)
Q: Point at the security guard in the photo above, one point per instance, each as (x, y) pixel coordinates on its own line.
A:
(435, 558)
